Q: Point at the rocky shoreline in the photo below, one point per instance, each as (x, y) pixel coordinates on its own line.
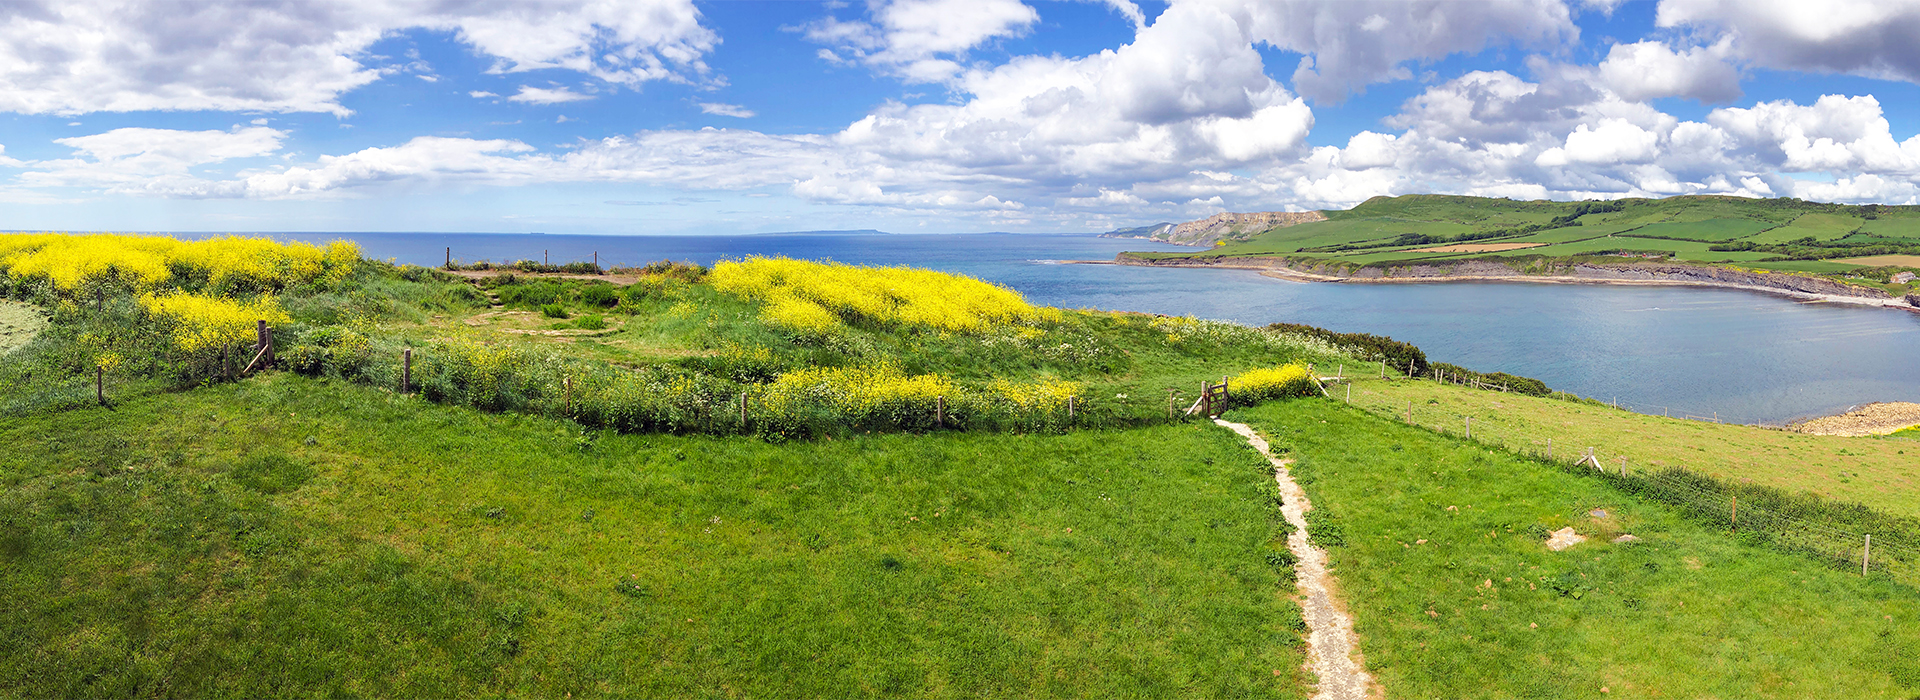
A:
(1545, 271)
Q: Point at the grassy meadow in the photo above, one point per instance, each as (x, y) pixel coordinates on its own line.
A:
(1437, 544)
(302, 536)
(1879, 472)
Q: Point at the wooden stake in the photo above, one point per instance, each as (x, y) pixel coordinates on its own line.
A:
(1349, 393)
(1170, 404)
(1469, 427)
(543, 259)
(100, 385)
(406, 371)
(1342, 372)
(1866, 553)
(940, 411)
(596, 261)
(743, 408)
(1069, 409)
(1735, 514)
(566, 402)
(1549, 449)
(1383, 369)
(1623, 466)
(1409, 413)
(449, 257)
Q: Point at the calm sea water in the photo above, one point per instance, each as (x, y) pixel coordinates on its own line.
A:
(1749, 357)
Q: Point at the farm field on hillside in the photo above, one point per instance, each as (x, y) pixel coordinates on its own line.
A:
(1883, 260)
(297, 536)
(1894, 227)
(1711, 230)
(1439, 548)
(1824, 227)
(1877, 472)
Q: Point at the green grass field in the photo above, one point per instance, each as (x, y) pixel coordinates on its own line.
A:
(1710, 231)
(289, 536)
(1884, 474)
(1825, 227)
(1907, 227)
(1440, 556)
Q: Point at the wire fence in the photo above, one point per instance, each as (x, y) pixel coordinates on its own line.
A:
(1843, 535)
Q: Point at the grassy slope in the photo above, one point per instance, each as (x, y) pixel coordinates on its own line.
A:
(1473, 611)
(291, 536)
(1878, 472)
(1684, 227)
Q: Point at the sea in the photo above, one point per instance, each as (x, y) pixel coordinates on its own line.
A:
(1741, 356)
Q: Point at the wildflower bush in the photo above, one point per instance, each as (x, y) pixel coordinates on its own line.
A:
(1267, 383)
(818, 297)
(72, 265)
(199, 322)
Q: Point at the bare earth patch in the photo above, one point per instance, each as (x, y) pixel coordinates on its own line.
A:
(1871, 419)
(1477, 247)
(1884, 261)
(1333, 650)
(19, 323)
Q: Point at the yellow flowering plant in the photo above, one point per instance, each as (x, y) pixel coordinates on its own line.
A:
(816, 297)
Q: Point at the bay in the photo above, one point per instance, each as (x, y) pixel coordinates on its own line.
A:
(1744, 356)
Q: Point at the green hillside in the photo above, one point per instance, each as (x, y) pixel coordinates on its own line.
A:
(1766, 234)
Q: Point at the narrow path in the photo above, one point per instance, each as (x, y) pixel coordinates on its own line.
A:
(1331, 646)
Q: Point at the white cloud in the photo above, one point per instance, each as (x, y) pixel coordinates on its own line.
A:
(1649, 69)
(547, 96)
(919, 40)
(149, 161)
(726, 110)
(1351, 43)
(1865, 37)
(480, 94)
(77, 56)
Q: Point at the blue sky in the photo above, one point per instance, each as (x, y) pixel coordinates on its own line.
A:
(674, 116)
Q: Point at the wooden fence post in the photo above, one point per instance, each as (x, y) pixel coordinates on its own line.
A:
(1735, 513)
(1409, 412)
(406, 371)
(1069, 409)
(1549, 449)
(1170, 405)
(1349, 393)
(940, 411)
(100, 385)
(1469, 427)
(1342, 372)
(449, 257)
(1866, 553)
(596, 261)
(1226, 397)
(1206, 399)
(743, 408)
(543, 259)
(566, 401)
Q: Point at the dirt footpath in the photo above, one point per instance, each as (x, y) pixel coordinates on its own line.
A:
(1333, 652)
(1871, 419)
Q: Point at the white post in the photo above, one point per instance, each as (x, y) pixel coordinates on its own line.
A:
(1349, 392)
(1383, 369)
(1866, 553)
(1469, 427)
(1549, 448)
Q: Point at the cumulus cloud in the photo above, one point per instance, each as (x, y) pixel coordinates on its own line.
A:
(1650, 69)
(1351, 43)
(920, 40)
(1865, 37)
(77, 56)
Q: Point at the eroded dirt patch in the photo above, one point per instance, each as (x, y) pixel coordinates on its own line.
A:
(1871, 419)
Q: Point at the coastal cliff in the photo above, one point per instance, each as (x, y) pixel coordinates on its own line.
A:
(1537, 270)
(1219, 227)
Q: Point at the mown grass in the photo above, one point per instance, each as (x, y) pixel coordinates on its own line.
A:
(289, 536)
(1884, 474)
(1439, 549)
(19, 323)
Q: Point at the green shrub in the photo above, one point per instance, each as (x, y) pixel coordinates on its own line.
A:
(1366, 346)
(553, 311)
(601, 295)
